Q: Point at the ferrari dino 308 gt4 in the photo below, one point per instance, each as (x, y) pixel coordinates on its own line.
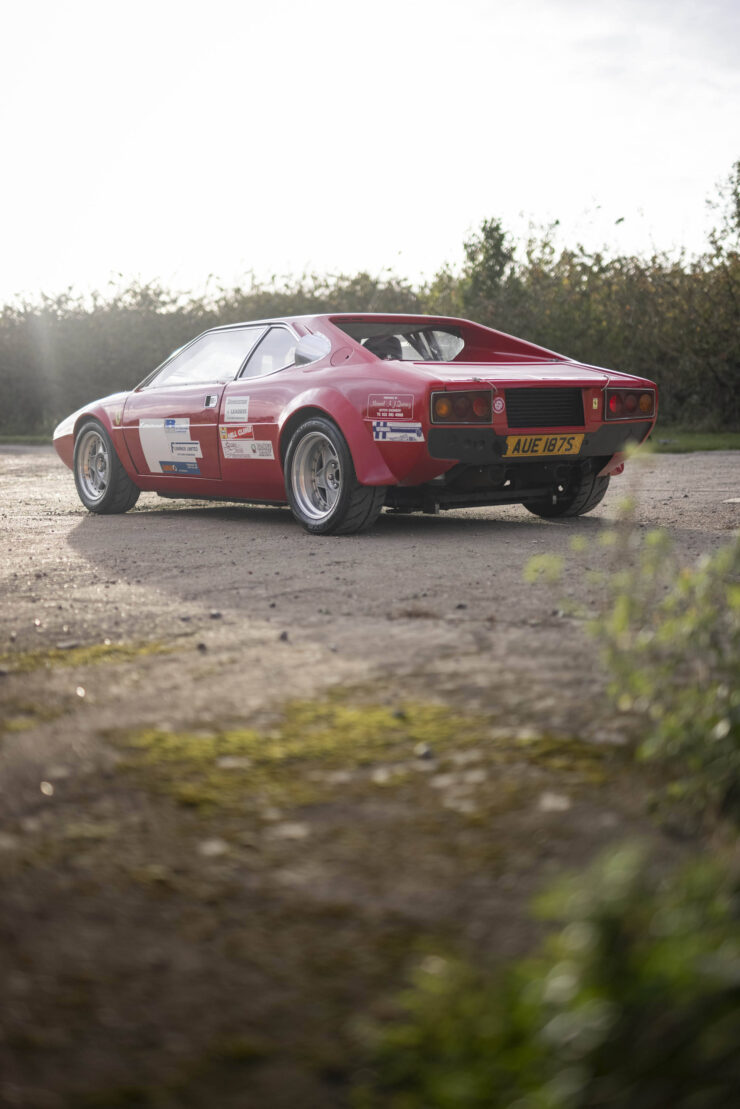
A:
(339, 415)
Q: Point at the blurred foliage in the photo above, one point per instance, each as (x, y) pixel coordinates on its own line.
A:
(62, 352)
(634, 1003)
(672, 319)
(672, 642)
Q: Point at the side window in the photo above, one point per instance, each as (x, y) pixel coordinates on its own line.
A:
(275, 352)
(216, 356)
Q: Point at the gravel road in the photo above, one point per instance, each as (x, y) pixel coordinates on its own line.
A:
(266, 611)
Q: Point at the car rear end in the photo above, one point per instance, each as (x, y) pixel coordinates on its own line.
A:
(531, 435)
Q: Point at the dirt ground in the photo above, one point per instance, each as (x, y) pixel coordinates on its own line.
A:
(247, 775)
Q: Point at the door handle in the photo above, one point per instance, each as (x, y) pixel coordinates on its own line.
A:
(211, 400)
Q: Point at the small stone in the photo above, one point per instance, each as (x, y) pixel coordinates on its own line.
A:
(233, 762)
(381, 775)
(47, 789)
(553, 802)
(57, 773)
(443, 781)
(272, 604)
(423, 751)
(291, 830)
(201, 647)
(212, 848)
(459, 804)
(283, 637)
(461, 605)
(214, 614)
(270, 812)
(462, 758)
(337, 777)
(67, 644)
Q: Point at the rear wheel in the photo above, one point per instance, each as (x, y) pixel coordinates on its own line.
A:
(324, 493)
(574, 497)
(102, 483)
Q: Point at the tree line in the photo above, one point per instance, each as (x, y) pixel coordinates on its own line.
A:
(670, 318)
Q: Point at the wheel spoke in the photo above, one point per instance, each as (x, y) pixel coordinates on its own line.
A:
(94, 465)
(316, 475)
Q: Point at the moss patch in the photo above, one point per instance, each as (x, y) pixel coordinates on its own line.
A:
(20, 716)
(318, 746)
(23, 662)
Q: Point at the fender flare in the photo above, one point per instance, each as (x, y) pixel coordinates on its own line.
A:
(370, 466)
(109, 413)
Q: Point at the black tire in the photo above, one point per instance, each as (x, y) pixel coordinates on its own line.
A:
(102, 483)
(578, 495)
(323, 491)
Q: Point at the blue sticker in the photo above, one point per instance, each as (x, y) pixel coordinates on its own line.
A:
(387, 431)
(180, 467)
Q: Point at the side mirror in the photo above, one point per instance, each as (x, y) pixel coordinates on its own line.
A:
(310, 348)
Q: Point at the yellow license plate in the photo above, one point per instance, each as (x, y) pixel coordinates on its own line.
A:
(535, 446)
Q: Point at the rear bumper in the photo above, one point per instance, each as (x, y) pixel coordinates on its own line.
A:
(481, 446)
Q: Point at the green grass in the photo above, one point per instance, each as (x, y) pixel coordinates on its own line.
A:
(670, 440)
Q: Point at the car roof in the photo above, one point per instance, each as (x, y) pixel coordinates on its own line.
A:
(331, 317)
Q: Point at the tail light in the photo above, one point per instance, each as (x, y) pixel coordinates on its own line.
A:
(464, 407)
(629, 404)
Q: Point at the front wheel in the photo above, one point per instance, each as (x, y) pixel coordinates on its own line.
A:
(575, 496)
(102, 483)
(323, 491)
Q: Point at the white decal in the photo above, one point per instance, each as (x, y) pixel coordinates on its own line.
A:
(387, 406)
(237, 410)
(498, 405)
(245, 447)
(165, 439)
(186, 450)
(260, 448)
(407, 432)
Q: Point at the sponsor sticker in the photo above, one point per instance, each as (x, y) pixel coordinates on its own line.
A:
(246, 431)
(169, 437)
(236, 410)
(385, 431)
(246, 448)
(179, 467)
(186, 450)
(179, 428)
(498, 405)
(390, 406)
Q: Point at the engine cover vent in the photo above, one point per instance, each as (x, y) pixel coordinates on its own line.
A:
(553, 406)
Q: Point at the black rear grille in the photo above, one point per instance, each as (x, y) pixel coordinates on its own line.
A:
(544, 407)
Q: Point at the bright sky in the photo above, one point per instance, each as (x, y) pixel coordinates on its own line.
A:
(174, 140)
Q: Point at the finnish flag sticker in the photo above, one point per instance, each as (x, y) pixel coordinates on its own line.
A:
(397, 431)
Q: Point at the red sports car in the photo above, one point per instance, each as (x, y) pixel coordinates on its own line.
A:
(339, 415)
